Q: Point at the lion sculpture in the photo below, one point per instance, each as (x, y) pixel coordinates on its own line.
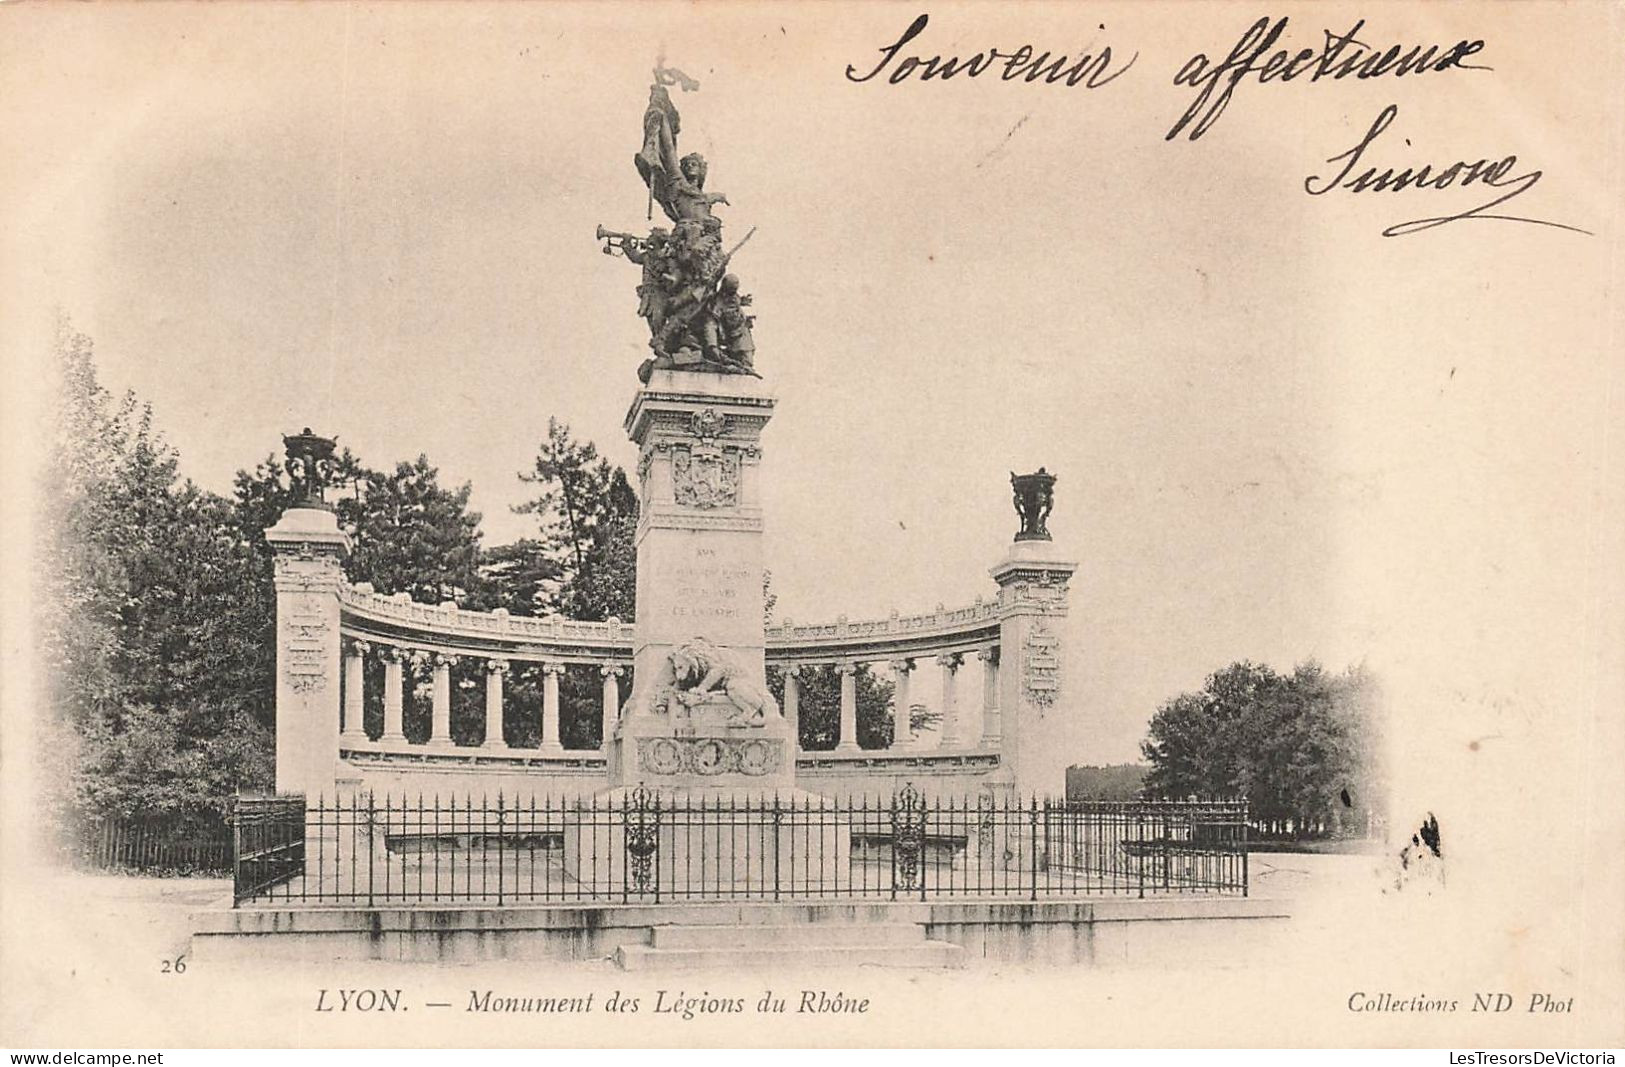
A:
(700, 669)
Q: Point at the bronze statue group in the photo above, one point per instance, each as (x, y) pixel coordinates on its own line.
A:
(696, 313)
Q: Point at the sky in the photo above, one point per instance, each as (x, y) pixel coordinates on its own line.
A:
(1278, 434)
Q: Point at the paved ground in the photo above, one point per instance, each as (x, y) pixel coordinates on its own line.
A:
(96, 949)
(153, 915)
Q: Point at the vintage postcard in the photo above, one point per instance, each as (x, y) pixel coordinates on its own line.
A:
(813, 525)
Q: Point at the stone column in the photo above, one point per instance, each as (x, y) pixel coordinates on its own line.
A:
(902, 735)
(393, 734)
(699, 573)
(792, 703)
(990, 693)
(355, 680)
(494, 671)
(309, 550)
(612, 696)
(441, 732)
(1033, 580)
(550, 707)
(848, 741)
(953, 721)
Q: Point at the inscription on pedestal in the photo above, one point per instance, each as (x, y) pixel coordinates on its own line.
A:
(307, 649)
(706, 588)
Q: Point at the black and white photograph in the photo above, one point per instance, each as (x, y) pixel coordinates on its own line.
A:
(722, 524)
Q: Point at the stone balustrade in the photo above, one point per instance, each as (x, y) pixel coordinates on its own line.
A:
(448, 625)
(898, 645)
(942, 624)
(394, 629)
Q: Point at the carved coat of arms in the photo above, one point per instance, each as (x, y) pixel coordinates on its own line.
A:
(705, 477)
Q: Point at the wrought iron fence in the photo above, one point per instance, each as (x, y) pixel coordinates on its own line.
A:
(640, 846)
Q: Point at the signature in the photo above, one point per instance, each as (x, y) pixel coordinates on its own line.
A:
(1493, 175)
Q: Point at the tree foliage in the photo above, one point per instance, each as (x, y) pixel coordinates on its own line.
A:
(409, 534)
(1302, 747)
(152, 613)
(587, 514)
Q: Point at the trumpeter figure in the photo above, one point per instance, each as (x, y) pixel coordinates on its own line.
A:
(693, 306)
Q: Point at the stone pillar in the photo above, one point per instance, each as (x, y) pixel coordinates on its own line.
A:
(792, 703)
(495, 669)
(699, 585)
(1032, 581)
(309, 550)
(612, 697)
(355, 681)
(953, 721)
(902, 733)
(393, 733)
(550, 707)
(441, 731)
(990, 694)
(848, 741)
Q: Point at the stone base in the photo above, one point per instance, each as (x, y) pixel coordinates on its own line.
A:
(707, 842)
(781, 946)
(1179, 932)
(709, 746)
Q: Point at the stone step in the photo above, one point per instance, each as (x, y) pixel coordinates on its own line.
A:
(938, 954)
(809, 935)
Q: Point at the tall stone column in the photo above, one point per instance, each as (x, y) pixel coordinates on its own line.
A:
(355, 681)
(990, 694)
(393, 697)
(495, 670)
(1032, 580)
(902, 735)
(550, 707)
(309, 550)
(953, 720)
(612, 698)
(440, 733)
(848, 741)
(792, 703)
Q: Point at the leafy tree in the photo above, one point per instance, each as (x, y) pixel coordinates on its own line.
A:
(415, 536)
(583, 564)
(1303, 748)
(409, 534)
(150, 609)
(520, 578)
(587, 512)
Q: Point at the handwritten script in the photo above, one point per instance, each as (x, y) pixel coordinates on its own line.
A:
(1258, 55)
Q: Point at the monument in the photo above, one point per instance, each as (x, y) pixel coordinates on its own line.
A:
(700, 726)
(700, 713)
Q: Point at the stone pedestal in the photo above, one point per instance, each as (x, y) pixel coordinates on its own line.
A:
(700, 715)
(696, 843)
(702, 794)
(1032, 581)
(309, 549)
